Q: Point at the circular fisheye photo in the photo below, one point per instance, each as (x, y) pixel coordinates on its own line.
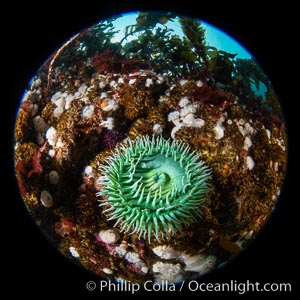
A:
(150, 147)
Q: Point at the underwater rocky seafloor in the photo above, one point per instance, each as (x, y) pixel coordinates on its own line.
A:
(92, 95)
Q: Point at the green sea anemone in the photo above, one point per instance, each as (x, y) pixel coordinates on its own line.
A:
(154, 185)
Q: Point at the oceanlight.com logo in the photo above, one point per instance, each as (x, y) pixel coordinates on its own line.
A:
(239, 287)
(193, 286)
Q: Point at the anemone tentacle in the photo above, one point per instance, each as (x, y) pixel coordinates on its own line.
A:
(154, 186)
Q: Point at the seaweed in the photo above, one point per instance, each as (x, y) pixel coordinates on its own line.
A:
(221, 65)
(147, 21)
(196, 34)
(97, 38)
(167, 52)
